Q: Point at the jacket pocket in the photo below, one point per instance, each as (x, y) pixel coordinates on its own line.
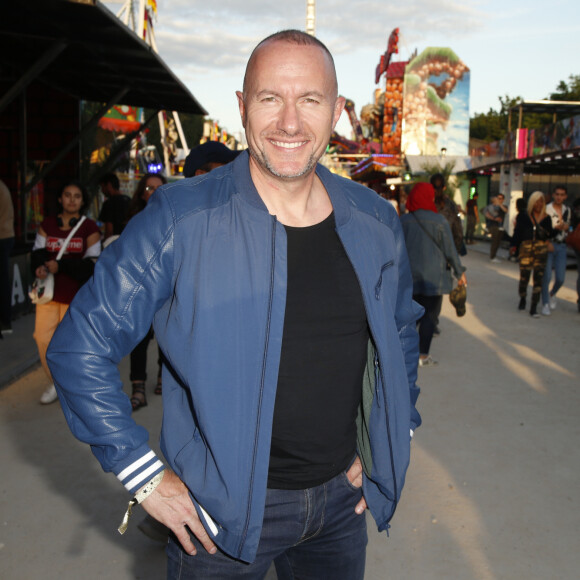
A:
(379, 283)
(182, 457)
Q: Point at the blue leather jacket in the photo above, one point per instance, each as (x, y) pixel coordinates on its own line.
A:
(206, 262)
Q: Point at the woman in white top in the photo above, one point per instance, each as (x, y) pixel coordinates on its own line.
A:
(561, 216)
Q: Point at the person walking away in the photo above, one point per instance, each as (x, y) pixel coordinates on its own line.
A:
(6, 245)
(113, 214)
(472, 219)
(531, 236)
(561, 216)
(449, 210)
(494, 215)
(432, 255)
(275, 288)
(70, 272)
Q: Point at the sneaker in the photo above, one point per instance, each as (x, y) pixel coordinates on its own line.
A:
(496, 260)
(49, 396)
(553, 302)
(427, 362)
(5, 329)
(546, 310)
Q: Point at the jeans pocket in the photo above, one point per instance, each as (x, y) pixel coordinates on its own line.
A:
(349, 484)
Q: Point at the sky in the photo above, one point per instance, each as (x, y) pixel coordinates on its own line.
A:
(512, 47)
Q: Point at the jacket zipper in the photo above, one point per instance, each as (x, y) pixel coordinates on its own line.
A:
(262, 381)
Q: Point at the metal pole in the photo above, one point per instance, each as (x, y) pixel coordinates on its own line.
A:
(180, 131)
(311, 17)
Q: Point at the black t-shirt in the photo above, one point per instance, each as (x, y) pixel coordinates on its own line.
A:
(115, 210)
(322, 363)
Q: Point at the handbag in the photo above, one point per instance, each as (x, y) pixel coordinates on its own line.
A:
(42, 290)
(573, 239)
(458, 297)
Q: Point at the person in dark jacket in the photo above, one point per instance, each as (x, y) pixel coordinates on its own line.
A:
(531, 238)
(495, 214)
(113, 214)
(433, 257)
(281, 297)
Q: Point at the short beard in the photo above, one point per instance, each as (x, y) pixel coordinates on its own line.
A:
(262, 160)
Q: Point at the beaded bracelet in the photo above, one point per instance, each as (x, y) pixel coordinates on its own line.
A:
(142, 494)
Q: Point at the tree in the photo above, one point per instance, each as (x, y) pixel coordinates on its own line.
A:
(567, 91)
(493, 125)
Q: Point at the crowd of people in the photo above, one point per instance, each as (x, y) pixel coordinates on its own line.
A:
(432, 229)
(80, 241)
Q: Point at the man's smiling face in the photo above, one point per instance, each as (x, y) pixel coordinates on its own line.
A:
(289, 108)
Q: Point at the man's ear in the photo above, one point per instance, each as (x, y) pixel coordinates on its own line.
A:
(242, 107)
(338, 109)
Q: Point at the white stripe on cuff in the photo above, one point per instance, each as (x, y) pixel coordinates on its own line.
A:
(144, 476)
(136, 465)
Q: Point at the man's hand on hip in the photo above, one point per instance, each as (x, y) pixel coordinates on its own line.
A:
(355, 476)
(171, 505)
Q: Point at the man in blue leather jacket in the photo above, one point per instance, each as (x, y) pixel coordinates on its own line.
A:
(281, 298)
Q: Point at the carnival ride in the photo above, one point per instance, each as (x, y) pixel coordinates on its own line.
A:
(370, 131)
(405, 112)
(140, 15)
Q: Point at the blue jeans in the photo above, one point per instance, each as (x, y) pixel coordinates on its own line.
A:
(311, 534)
(427, 323)
(557, 261)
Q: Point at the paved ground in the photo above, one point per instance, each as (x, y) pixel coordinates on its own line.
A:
(489, 495)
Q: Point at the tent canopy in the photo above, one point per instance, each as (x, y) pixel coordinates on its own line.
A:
(82, 49)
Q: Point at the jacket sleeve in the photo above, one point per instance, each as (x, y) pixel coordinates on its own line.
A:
(107, 318)
(449, 250)
(37, 258)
